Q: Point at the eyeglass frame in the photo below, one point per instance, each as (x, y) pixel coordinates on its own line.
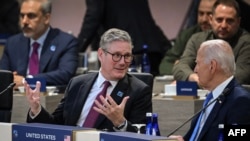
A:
(120, 56)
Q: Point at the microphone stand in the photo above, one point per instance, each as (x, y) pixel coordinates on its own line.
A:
(224, 93)
(11, 85)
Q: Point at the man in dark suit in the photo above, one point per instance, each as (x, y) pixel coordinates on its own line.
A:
(127, 100)
(215, 66)
(133, 16)
(57, 52)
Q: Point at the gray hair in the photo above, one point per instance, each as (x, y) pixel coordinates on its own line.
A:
(220, 51)
(114, 34)
(46, 5)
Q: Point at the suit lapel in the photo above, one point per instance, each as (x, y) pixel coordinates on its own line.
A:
(49, 47)
(215, 110)
(118, 93)
(211, 118)
(24, 56)
(82, 95)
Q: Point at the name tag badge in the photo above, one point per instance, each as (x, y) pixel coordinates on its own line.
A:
(187, 88)
(32, 83)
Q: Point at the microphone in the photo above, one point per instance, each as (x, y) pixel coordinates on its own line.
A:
(11, 85)
(223, 94)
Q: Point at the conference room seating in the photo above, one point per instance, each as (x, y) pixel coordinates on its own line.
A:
(6, 95)
(145, 77)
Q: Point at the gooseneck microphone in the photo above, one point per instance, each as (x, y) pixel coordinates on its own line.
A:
(223, 94)
(10, 86)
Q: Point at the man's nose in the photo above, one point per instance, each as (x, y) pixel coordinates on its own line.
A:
(24, 19)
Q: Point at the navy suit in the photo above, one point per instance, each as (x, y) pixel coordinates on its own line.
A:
(58, 60)
(70, 107)
(233, 109)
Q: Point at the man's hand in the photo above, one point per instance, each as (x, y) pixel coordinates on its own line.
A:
(193, 77)
(18, 79)
(33, 97)
(111, 110)
(178, 137)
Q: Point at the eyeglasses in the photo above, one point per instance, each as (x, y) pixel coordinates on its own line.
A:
(116, 57)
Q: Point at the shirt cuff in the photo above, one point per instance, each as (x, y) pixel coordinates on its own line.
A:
(122, 127)
(32, 116)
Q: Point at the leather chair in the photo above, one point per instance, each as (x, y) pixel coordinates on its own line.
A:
(149, 80)
(145, 77)
(6, 95)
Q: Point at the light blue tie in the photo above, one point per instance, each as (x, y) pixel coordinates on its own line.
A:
(196, 129)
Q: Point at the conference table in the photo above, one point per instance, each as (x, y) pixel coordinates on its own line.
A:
(172, 112)
(21, 107)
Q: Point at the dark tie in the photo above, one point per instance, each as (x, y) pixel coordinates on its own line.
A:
(34, 60)
(92, 115)
(197, 126)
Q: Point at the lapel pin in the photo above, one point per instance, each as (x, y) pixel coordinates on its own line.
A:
(120, 94)
(53, 48)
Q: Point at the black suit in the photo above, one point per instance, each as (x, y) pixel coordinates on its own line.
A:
(133, 16)
(70, 107)
(233, 109)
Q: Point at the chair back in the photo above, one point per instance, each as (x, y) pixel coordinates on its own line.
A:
(145, 77)
(6, 98)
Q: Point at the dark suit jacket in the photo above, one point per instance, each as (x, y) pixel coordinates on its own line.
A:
(57, 66)
(70, 107)
(133, 16)
(233, 109)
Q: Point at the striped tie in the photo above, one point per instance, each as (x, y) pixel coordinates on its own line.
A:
(196, 129)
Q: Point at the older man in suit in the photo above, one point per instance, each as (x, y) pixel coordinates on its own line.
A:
(215, 66)
(127, 98)
(55, 57)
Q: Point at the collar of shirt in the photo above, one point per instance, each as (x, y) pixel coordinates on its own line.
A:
(40, 41)
(219, 89)
(100, 79)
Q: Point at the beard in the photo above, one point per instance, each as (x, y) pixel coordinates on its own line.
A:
(34, 32)
(27, 31)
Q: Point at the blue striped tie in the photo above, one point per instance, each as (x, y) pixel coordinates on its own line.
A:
(196, 129)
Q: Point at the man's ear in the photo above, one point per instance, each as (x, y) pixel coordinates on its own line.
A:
(47, 17)
(100, 53)
(213, 65)
(210, 18)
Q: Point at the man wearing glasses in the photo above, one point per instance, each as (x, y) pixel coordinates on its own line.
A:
(125, 102)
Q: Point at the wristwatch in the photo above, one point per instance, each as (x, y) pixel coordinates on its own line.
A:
(121, 126)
